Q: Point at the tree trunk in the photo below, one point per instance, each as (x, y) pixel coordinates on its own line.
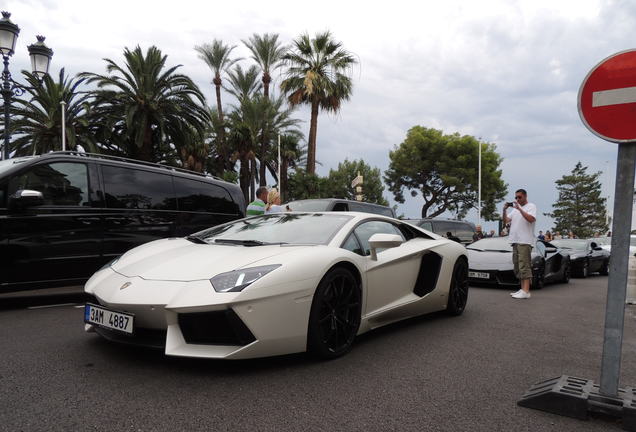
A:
(266, 80)
(252, 179)
(263, 165)
(219, 107)
(244, 178)
(146, 150)
(311, 148)
(282, 181)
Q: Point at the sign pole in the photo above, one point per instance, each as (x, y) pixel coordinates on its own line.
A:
(615, 310)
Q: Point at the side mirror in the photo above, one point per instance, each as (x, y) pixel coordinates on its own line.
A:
(383, 241)
(24, 198)
(598, 248)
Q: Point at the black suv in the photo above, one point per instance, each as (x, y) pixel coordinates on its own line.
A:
(65, 214)
(461, 229)
(336, 204)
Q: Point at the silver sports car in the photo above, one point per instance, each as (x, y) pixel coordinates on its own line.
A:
(276, 284)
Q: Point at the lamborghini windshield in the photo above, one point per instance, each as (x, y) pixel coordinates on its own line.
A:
(280, 228)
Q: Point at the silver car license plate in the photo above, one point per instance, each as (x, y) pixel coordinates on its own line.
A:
(110, 319)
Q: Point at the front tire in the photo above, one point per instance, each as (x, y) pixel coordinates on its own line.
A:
(605, 269)
(566, 273)
(335, 314)
(585, 270)
(538, 279)
(458, 291)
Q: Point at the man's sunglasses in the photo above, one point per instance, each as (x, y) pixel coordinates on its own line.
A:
(519, 197)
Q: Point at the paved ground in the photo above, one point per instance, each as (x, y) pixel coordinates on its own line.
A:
(428, 374)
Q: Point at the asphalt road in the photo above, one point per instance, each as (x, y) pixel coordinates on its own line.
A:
(433, 373)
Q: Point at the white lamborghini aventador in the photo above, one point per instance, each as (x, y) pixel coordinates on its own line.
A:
(276, 284)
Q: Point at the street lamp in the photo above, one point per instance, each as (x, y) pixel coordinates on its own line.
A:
(40, 59)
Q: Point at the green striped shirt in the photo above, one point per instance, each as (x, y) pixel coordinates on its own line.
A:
(256, 207)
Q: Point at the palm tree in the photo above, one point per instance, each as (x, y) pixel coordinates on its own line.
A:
(38, 120)
(268, 52)
(217, 56)
(244, 84)
(317, 76)
(146, 107)
(292, 154)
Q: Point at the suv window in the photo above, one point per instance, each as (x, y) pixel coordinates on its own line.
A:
(366, 230)
(367, 208)
(152, 191)
(197, 196)
(61, 183)
(427, 225)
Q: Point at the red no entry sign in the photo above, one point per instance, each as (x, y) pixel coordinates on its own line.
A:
(607, 98)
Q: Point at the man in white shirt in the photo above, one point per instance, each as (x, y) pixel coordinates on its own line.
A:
(521, 235)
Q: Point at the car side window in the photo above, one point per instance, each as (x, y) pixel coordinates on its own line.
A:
(351, 244)
(366, 230)
(197, 196)
(427, 226)
(137, 189)
(61, 183)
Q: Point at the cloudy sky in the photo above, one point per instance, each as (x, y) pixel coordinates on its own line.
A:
(505, 71)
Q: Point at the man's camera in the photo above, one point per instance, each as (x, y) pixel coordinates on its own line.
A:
(510, 204)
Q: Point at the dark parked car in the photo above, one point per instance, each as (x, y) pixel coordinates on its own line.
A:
(64, 215)
(586, 255)
(463, 230)
(490, 263)
(336, 204)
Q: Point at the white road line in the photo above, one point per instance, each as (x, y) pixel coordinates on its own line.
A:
(52, 306)
(614, 97)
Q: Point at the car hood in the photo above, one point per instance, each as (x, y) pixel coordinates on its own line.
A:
(489, 260)
(181, 260)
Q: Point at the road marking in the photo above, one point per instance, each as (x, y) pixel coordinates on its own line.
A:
(52, 306)
(614, 97)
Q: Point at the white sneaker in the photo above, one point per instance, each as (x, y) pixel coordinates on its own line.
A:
(516, 292)
(521, 295)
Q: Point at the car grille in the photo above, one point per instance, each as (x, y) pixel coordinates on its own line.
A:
(215, 328)
(150, 338)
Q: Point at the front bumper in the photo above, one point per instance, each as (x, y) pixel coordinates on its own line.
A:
(190, 319)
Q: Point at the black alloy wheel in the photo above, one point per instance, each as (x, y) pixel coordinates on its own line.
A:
(458, 291)
(538, 280)
(335, 314)
(566, 273)
(605, 268)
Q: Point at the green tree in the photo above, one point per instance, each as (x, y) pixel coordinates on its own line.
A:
(37, 120)
(304, 185)
(444, 170)
(580, 207)
(144, 109)
(292, 155)
(317, 76)
(340, 182)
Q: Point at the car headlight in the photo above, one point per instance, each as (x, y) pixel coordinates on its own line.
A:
(237, 280)
(109, 263)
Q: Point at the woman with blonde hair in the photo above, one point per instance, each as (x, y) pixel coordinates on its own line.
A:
(273, 202)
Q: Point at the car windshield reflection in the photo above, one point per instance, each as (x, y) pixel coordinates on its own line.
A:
(282, 228)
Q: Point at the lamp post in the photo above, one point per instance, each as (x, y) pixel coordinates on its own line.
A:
(40, 59)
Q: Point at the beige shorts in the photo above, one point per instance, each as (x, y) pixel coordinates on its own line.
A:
(522, 260)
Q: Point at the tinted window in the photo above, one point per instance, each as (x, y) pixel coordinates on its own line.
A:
(464, 230)
(352, 245)
(197, 196)
(61, 183)
(136, 189)
(442, 227)
(367, 229)
(385, 211)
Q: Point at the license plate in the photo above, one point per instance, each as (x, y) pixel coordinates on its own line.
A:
(110, 319)
(478, 275)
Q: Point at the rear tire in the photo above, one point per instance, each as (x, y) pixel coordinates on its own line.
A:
(566, 273)
(585, 270)
(335, 314)
(538, 280)
(458, 291)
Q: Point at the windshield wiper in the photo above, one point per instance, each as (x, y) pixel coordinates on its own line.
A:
(475, 249)
(497, 250)
(247, 242)
(195, 239)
